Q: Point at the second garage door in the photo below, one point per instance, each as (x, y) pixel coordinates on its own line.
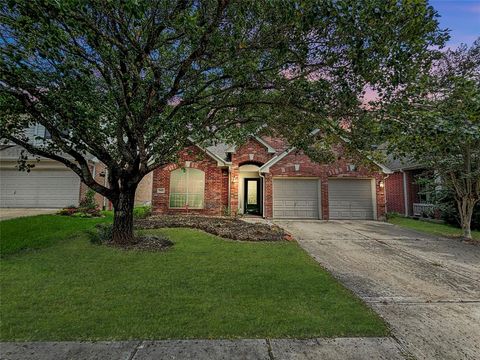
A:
(295, 198)
(350, 199)
(39, 188)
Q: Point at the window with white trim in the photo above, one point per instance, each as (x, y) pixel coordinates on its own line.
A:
(187, 188)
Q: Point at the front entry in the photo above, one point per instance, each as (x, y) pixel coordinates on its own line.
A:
(252, 197)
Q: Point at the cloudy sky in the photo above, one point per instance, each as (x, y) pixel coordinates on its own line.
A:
(462, 17)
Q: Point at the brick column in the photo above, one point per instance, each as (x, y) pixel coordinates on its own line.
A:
(234, 179)
(268, 197)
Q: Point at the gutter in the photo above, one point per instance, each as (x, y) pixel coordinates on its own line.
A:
(229, 189)
(405, 195)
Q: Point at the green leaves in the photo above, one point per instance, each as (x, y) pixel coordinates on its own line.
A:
(131, 81)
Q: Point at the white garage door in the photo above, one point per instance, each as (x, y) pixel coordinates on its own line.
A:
(39, 188)
(295, 198)
(350, 199)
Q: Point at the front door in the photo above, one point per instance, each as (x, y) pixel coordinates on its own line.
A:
(252, 199)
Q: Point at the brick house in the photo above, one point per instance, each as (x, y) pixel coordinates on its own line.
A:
(265, 177)
(404, 194)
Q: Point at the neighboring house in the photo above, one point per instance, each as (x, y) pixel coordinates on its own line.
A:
(267, 178)
(404, 194)
(50, 184)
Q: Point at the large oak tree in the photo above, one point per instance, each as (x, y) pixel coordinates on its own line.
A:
(130, 82)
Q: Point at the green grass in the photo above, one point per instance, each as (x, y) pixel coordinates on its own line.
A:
(431, 228)
(203, 287)
(36, 232)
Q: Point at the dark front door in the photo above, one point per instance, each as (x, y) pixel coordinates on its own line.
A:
(252, 197)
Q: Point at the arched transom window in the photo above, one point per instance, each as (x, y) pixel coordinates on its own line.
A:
(187, 188)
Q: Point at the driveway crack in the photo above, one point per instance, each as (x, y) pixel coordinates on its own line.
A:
(135, 350)
(269, 349)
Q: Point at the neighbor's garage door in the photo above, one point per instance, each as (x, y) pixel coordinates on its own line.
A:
(295, 198)
(350, 199)
(39, 188)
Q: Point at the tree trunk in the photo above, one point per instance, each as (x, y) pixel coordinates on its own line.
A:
(122, 231)
(465, 209)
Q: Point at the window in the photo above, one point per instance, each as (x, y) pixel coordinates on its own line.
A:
(187, 187)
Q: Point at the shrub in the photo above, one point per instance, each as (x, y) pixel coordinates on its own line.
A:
(88, 202)
(142, 212)
(102, 233)
(393, 215)
(87, 208)
(449, 213)
(68, 211)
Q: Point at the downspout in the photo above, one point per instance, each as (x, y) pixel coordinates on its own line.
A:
(385, 194)
(263, 194)
(405, 195)
(229, 188)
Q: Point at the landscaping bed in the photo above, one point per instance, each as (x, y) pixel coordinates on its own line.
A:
(229, 228)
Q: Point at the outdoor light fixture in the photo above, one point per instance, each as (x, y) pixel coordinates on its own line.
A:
(381, 183)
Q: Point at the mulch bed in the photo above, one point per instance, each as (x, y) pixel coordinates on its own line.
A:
(229, 228)
(146, 243)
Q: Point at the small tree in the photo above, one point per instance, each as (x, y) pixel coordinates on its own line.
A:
(130, 82)
(439, 126)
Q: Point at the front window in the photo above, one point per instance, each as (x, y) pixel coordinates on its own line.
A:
(187, 188)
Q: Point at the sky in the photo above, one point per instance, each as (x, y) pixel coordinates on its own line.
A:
(462, 17)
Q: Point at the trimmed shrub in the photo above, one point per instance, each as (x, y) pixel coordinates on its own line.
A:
(101, 234)
(142, 212)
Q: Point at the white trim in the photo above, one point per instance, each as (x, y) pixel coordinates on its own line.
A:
(374, 198)
(265, 168)
(220, 161)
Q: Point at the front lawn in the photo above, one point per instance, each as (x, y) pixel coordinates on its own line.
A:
(431, 228)
(203, 287)
(35, 232)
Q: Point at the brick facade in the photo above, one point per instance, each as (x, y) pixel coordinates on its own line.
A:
(394, 193)
(295, 164)
(215, 196)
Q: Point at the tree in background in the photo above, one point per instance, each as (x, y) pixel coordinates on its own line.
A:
(131, 82)
(438, 125)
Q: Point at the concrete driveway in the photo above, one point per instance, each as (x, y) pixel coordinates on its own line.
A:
(426, 288)
(11, 213)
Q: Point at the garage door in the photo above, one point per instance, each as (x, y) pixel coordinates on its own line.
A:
(350, 199)
(295, 198)
(39, 188)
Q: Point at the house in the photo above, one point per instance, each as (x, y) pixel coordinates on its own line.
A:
(404, 193)
(266, 177)
(50, 184)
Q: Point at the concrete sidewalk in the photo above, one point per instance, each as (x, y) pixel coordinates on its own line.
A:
(280, 349)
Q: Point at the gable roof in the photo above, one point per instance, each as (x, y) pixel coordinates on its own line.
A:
(270, 149)
(265, 168)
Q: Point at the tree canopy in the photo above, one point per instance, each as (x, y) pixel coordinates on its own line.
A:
(437, 124)
(131, 82)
